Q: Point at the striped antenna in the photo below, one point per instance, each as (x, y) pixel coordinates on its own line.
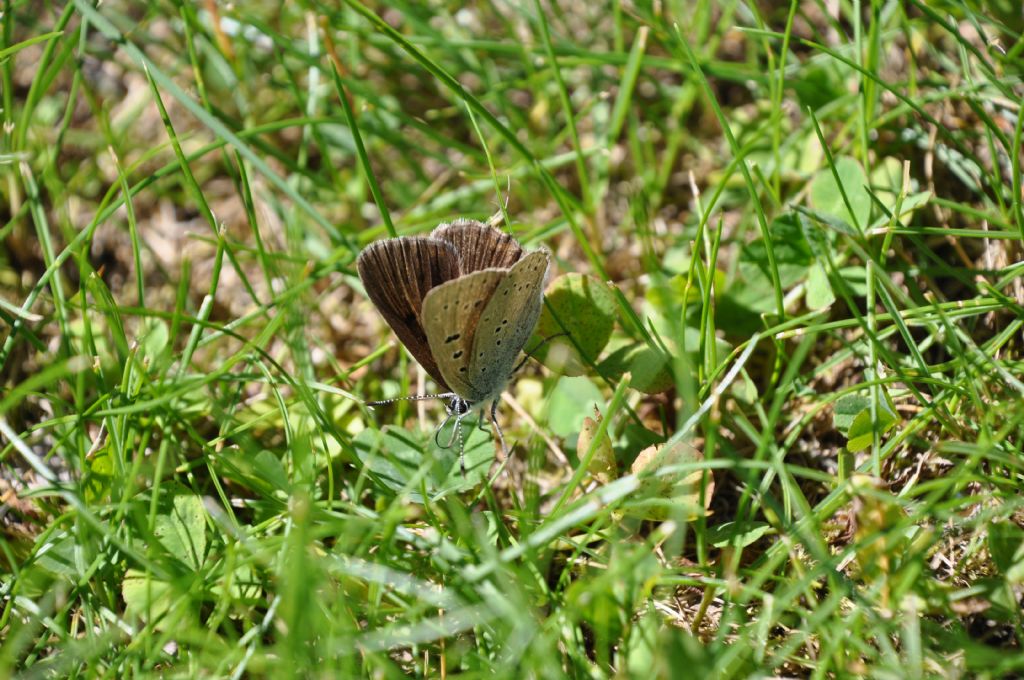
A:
(414, 397)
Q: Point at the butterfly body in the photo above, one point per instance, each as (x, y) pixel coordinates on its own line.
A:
(463, 300)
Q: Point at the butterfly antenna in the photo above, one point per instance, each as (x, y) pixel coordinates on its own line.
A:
(530, 353)
(414, 397)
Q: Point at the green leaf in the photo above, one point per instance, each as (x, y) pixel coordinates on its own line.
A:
(853, 416)
(668, 294)
(57, 555)
(153, 339)
(400, 459)
(655, 649)
(145, 595)
(736, 534)
(832, 222)
(636, 437)
(641, 644)
(267, 465)
(571, 401)
(855, 279)
(887, 182)
(792, 256)
(181, 527)
(99, 475)
(817, 84)
(819, 293)
(1001, 601)
(827, 198)
(846, 409)
(242, 584)
(651, 371)
(863, 430)
(586, 309)
(1006, 545)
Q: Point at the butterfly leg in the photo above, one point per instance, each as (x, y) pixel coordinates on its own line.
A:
(457, 409)
(497, 429)
(530, 353)
(437, 432)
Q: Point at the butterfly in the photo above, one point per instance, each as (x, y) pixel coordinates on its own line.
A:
(463, 300)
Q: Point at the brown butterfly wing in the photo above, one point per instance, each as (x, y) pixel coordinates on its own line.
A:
(450, 315)
(397, 274)
(479, 246)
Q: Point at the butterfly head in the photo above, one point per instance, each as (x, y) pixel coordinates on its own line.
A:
(458, 406)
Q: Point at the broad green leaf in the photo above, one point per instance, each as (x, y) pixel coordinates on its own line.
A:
(855, 279)
(736, 534)
(817, 83)
(667, 295)
(886, 178)
(792, 256)
(1006, 545)
(243, 584)
(819, 293)
(863, 429)
(146, 595)
(834, 223)
(910, 203)
(181, 527)
(886, 182)
(57, 555)
(268, 466)
(827, 198)
(584, 308)
(571, 401)
(656, 649)
(846, 409)
(99, 474)
(650, 371)
(153, 339)
(401, 459)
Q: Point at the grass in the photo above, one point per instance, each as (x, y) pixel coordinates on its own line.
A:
(787, 248)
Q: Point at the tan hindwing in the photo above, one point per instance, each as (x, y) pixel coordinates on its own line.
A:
(506, 324)
(451, 313)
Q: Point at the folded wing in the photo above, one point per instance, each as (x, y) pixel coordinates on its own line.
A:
(397, 274)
